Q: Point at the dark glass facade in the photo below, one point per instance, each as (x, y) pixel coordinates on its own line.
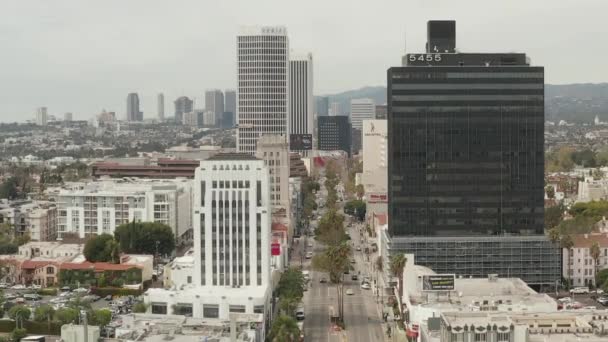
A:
(466, 165)
(467, 155)
(334, 133)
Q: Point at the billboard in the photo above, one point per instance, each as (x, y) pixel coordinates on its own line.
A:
(438, 282)
(275, 248)
(300, 142)
(377, 197)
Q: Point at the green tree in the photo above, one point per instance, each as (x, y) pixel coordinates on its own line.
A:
(8, 188)
(554, 216)
(554, 235)
(140, 308)
(99, 248)
(101, 317)
(585, 158)
(550, 190)
(19, 312)
(66, 315)
(397, 263)
(595, 253)
(601, 278)
(360, 189)
(44, 313)
(284, 329)
(356, 208)
(566, 243)
(18, 334)
(142, 238)
(335, 260)
(291, 289)
(330, 229)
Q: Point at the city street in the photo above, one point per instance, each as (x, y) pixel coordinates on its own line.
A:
(362, 313)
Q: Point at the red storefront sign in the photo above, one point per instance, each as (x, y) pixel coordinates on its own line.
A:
(275, 249)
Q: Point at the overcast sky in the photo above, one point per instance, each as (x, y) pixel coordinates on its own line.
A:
(83, 56)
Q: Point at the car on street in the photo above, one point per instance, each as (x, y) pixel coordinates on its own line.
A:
(81, 290)
(354, 277)
(323, 280)
(309, 255)
(365, 286)
(358, 249)
(18, 287)
(4, 286)
(108, 298)
(350, 292)
(579, 290)
(353, 261)
(65, 289)
(10, 296)
(603, 301)
(300, 314)
(310, 244)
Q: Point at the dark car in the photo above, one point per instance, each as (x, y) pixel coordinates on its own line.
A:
(323, 280)
(354, 277)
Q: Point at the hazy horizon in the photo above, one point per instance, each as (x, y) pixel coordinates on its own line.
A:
(84, 57)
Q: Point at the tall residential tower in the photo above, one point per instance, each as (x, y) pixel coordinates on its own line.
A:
(263, 81)
(133, 112)
(160, 107)
(301, 103)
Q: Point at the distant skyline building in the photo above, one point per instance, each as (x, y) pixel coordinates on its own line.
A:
(194, 118)
(335, 109)
(227, 120)
(214, 103)
(361, 109)
(263, 82)
(466, 165)
(322, 106)
(68, 116)
(381, 111)
(334, 133)
(133, 112)
(301, 98)
(41, 116)
(160, 109)
(182, 105)
(229, 106)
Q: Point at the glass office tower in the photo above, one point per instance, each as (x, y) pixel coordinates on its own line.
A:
(466, 166)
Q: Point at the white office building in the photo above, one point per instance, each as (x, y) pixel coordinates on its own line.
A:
(262, 84)
(231, 217)
(301, 99)
(361, 109)
(375, 161)
(160, 102)
(99, 207)
(41, 116)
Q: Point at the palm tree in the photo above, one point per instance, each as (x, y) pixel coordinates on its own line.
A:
(595, 252)
(284, 329)
(398, 262)
(566, 243)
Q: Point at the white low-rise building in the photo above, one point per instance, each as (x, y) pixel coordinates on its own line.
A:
(231, 219)
(578, 264)
(99, 207)
(38, 219)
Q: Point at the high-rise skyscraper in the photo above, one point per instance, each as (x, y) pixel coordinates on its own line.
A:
(229, 106)
(214, 103)
(335, 109)
(361, 109)
(466, 162)
(182, 105)
(133, 112)
(274, 150)
(67, 117)
(301, 99)
(41, 116)
(263, 81)
(322, 106)
(381, 112)
(160, 99)
(334, 133)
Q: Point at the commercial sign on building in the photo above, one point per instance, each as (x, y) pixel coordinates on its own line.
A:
(377, 197)
(438, 282)
(275, 248)
(300, 142)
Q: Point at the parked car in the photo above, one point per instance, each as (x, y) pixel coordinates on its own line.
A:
(4, 286)
(603, 301)
(36, 287)
(365, 286)
(18, 287)
(81, 290)
(350, 292)
(108, 298)
(354, 277)
(66, 289)
(579, 290)
(309, 255)
(300, 314)
(358, 249)
(323, 280)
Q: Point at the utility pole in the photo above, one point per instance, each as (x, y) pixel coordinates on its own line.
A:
(85, 325)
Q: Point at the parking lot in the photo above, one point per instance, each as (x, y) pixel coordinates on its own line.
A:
(579, 301)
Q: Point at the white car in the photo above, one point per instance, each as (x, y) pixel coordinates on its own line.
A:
(365, 286)
(18, 287)
(579, 290)
(36, 287)
(300, 314)
(309, 255)
(81, 290)
(350, 292)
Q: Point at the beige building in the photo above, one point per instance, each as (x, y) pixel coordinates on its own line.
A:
(274, 150)
(34, 218)
(578, 263)
(375, 159)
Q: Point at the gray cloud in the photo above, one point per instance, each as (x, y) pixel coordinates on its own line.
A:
(82, 56)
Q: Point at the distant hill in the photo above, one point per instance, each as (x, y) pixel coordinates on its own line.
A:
(570, 102)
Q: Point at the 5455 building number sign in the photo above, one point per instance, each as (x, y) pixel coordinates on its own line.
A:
(424, 57)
